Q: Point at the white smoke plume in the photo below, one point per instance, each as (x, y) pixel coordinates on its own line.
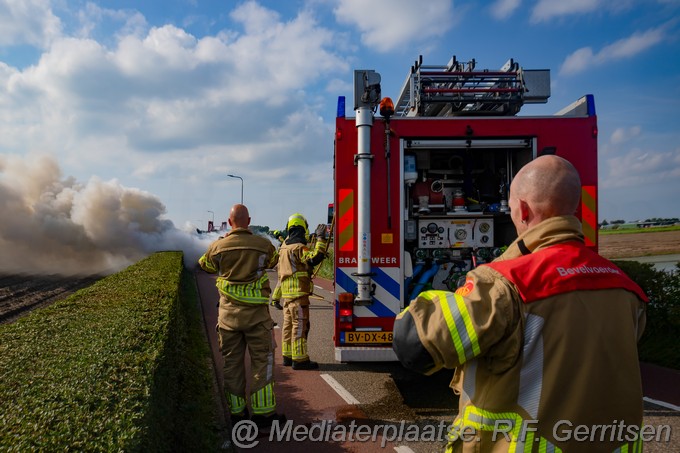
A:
(55, 225)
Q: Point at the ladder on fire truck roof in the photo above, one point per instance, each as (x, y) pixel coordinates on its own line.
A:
(458, 90)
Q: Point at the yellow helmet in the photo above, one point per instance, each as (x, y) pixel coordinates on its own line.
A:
(298, 219)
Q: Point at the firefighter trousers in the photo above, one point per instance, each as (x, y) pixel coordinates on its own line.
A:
(295, 328)
(250, 327)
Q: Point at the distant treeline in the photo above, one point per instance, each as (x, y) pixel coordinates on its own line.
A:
(654, 220)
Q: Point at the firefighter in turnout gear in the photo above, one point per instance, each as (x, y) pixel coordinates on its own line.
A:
(296, 265)
(240, 259)
(543, 339)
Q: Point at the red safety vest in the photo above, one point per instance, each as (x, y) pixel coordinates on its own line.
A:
(561, 268)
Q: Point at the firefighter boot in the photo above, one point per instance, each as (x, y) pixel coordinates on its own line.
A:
(235, 418)
(265, 421)
(305, 365)
(287, 361)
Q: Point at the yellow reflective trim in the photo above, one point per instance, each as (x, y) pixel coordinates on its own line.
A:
(263, 401)
(206, 264)
(451, 324)
(492, 418)
(236, 403)
(638, 444)
(300, 349)
(290, 287)
(528, 442)
(588, 214)
(428, 295)
(318, 248)
(542, 445)
(462, 309)
(249, 292)
(482, 420)
(345, 220)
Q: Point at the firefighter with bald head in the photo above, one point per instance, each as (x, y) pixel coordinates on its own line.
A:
(543, 339)
(240, 260)
(296, 265)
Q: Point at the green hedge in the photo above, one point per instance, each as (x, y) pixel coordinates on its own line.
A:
(658, 344)
(326, 269)
(121, 365)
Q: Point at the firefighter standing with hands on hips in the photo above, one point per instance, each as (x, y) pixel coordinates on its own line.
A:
(543, 339)
(241, 259)
(296, 265)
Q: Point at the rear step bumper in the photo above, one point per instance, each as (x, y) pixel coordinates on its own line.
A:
(365, 354)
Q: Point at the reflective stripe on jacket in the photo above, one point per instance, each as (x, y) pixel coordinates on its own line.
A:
(296, 264)
(241, 259)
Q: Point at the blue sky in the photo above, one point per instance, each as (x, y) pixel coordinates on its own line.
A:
(163, 99)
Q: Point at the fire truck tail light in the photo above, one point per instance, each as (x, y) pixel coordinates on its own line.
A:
(345, 310)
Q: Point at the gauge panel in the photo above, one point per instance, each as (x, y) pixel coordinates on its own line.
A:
(451, 232)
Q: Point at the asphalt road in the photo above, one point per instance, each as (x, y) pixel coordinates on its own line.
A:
(391, 408)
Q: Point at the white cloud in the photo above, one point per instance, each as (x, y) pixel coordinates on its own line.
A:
(166, 107)
(549, 9)
(584, 57)
(335, 86)
(169, 90)
(502, 9)
(640, 167)
(28, 22)
(578, 61)
(256, 19)
(546, 10)
(390, 24)
(93, 16)
(622, 135)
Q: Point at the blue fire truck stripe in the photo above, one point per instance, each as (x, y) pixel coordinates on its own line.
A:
(345, 283)
(387, 282)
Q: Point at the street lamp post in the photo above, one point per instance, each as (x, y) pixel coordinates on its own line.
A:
(235, 176)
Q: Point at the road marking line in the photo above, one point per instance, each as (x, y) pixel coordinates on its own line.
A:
(349, 399)
(328, 290)
(403, 449)
(339, 389)
(662, 404)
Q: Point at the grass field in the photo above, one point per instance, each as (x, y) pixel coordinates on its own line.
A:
(641, 230)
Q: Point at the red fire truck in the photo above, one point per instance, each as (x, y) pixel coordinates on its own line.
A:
(421, 191)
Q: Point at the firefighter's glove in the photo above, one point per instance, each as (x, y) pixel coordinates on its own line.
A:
(321, 232)
(276, 304)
